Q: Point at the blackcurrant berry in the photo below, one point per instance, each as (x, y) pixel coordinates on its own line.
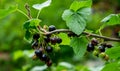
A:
(49, 63)
(102, 48)
(34, 44)
(36, 36)
(70, 34)
(52, 28)
(59, 40)
(47, 39)
(44, 57)
(49, 49)
(94, 41)
(109, 45)
(104, 44)
(90, 47)
(38, 53)
(53, 40)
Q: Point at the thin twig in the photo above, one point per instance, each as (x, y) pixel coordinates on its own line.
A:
(28, 10)
(86, 33)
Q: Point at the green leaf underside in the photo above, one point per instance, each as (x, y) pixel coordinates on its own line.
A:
(112, 67)
(42, 5)
(80, 4)
(76, 21)
(6, 12)
(112, 19)
(79, 45)
(31, 23)
(114, 52)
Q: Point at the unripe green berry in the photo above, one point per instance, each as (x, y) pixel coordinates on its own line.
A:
(95, 53)
(102, 55)
(106, 57)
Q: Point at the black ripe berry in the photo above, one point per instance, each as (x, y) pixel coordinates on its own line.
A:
(90, 47)
(53, 40)
(36, 36)
(49, 49)
(94, 41)
(49, 63)
(47, 39)
(70, 34)
(102, 48)
(38, 53)
(104, 44)
(34, 44)
(44, 57)
(52, 28)
(109, 45)
(59, 40)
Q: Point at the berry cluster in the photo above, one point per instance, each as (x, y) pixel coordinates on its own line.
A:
(42, 45)
(98, 49)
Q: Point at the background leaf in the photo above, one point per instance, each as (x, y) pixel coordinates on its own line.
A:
(79, 45)
(40, 6)
(112, 19)
(6, 12)
(80, 4)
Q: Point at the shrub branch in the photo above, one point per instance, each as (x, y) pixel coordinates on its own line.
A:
(86, 33)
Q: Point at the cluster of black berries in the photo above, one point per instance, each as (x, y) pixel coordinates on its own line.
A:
(43, 48)
(98, 50)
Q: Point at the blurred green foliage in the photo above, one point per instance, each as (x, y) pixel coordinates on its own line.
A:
(15, 51)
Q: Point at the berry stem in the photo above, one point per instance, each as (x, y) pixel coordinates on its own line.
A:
(86, 33)
(28, 10)
(38, 14)
(23, 13)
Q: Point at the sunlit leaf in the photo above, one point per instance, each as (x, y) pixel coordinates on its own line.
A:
(113, 52)
(115, 66)
(65, 39)
(43, 5)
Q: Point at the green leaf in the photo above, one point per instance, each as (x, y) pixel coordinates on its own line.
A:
(43, 5)
(112, 19)
(17, 54)
(115, 66)
(114, 52)
(28, 35)
(31, 23)
(65, 39)
(76, 21)
(6, 12)
(79, 46)
(80, 4)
